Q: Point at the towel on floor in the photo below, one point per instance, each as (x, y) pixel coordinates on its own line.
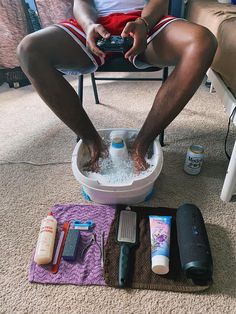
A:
(141, 275)
(87, 270)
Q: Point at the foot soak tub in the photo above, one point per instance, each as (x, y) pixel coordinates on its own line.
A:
(117, 184)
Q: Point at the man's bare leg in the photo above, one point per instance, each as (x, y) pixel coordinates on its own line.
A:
(191, 49)
(40, 54)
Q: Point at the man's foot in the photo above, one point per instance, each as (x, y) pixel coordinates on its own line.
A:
(97, 149)
(139, 161)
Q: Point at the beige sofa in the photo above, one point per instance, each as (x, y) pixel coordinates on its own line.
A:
(221, 20)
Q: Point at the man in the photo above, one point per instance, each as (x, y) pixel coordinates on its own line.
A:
(159, 40)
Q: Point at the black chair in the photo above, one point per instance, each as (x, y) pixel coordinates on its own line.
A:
(119, 64)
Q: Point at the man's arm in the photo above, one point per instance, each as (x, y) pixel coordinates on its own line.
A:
(138, 29)
(85, 13)
(154, 11)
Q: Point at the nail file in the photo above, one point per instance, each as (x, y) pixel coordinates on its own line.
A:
(55, 259)
(71, 245)
(102, 248)
(127, 238)
(60, 247)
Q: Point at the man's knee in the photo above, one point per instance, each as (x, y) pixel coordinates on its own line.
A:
(28, 53)
(203, 44)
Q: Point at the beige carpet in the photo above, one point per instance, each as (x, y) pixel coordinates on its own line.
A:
(30, 131)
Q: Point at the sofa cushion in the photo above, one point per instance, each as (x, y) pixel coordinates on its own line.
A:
(210, 13)
(225, 59)
(220, 19)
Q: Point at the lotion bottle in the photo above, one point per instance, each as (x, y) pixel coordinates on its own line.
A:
(46, 239)
(160, 243)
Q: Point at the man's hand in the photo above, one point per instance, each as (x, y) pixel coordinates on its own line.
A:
(138, 31)
(96, 149)
(93, 32)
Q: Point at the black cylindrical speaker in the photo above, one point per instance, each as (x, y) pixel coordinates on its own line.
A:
(194, 247)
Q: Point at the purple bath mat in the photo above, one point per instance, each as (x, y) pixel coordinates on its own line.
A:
(87, 270)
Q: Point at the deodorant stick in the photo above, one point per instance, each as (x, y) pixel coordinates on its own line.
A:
(46, 240)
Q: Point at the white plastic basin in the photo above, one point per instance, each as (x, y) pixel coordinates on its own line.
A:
(135, 191)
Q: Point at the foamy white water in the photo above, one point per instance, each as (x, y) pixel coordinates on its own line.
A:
(123, 173)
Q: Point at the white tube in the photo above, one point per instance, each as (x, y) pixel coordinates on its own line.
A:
(160, 243)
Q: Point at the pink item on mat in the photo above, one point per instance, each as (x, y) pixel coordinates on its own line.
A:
(87, 270)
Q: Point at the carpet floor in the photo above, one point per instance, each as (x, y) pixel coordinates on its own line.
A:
(30, 131)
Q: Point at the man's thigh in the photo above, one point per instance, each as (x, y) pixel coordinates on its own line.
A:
(169, 45)
(59, 48)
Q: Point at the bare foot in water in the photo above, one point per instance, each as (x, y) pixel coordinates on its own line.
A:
(97, 150)
(139, 161)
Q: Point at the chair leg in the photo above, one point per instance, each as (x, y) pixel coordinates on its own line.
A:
(80, 88)
(165, 74)
(161, 138)
(164, 78)
(80, 93)
(95, 91)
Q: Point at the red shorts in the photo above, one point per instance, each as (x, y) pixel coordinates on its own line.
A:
(114, 23)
